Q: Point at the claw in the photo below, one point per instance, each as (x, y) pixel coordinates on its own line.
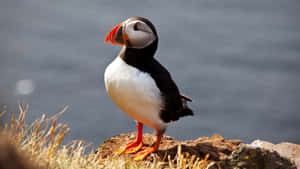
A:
(144, 153)
(131, 147)
(134, 149)
(147, 150)
(121, 149)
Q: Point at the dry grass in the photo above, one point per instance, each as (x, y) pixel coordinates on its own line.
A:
(41, 142)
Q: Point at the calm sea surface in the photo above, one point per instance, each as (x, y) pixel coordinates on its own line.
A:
(238, 60)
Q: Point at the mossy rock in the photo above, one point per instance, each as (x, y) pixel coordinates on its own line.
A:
(249, 157)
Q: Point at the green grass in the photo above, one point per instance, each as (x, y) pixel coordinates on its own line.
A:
(41, 142)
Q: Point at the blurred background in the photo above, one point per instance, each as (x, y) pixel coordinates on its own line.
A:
(238, 60)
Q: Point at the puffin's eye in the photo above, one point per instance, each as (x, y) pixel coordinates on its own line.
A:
(135, 27)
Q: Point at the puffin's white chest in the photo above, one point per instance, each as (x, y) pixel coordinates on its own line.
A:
(134, 92)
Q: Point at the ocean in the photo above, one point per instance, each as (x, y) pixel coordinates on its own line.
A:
(238, 60)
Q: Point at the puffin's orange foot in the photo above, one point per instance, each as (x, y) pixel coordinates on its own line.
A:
(144, 153)
(131, 147)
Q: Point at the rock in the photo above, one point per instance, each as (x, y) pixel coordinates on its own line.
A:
(251, 157)
(287, 150)
(216, 146)
(226, 154)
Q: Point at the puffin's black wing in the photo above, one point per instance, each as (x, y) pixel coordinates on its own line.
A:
(174, 104)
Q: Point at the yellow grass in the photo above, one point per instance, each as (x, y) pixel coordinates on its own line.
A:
(41, 142)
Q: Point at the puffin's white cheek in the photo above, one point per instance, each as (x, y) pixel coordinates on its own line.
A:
(140, 39)
(143, 40)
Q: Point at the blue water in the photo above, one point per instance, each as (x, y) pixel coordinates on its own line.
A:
(238, 60)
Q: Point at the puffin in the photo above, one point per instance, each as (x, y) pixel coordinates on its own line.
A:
(140, 86)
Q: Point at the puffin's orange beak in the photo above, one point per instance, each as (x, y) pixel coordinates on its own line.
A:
(117, 36)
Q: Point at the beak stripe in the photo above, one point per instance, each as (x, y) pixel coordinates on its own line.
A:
(112, 34)
(119, 36)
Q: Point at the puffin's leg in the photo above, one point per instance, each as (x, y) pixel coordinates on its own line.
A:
(136, 145)
(148, 150)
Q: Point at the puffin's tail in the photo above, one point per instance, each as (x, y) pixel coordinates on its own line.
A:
(169, 116)
(186, 111)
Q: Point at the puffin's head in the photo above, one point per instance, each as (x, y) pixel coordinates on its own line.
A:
(135, 32)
